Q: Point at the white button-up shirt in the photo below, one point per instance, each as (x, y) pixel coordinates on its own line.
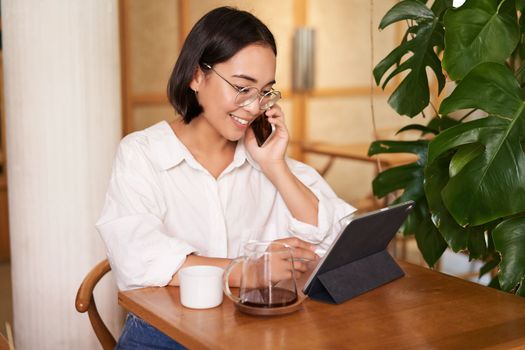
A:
(162, 205)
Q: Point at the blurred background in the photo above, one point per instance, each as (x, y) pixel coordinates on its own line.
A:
(326, 53)
(335, 107)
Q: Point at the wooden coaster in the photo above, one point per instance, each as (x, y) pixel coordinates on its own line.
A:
(270, 311)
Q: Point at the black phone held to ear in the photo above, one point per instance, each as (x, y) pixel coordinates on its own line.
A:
(262, 129)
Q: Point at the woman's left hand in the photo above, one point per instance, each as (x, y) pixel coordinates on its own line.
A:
(275, 149)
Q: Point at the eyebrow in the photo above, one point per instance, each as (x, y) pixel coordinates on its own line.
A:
(253, 80)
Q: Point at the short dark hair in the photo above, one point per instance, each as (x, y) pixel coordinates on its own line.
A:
(215, 38)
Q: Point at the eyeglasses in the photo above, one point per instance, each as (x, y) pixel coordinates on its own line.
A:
(246, 95)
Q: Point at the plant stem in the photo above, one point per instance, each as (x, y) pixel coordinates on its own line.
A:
(466, 115)
(434, 108)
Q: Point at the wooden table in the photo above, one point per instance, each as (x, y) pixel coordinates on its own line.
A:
(423, 310)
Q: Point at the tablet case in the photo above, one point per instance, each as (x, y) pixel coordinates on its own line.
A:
(366, 264)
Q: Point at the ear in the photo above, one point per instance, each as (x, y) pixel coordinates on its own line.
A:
(197, 80)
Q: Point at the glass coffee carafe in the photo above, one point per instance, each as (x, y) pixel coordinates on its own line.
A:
(267, 276)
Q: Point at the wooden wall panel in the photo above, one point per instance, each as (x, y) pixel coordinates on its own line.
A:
(148, 115)
(154, 45)
(341, 112)
(280, 22)
(343, 41)
(342, 120)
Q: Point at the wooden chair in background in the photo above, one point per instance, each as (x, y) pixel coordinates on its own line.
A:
(359, 152)
(85, 302)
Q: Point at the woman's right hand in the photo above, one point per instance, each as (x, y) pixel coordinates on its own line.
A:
(302, 252)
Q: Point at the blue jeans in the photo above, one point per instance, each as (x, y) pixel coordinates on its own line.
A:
(138, 334)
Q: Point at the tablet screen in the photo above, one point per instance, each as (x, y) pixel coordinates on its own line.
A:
(363, 236)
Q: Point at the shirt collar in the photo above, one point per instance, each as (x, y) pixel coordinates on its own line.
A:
(241, 155)
(169, 151)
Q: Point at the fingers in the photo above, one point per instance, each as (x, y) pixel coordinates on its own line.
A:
(285, 272)
(304, 254)
(276, 117)
(279, 124)
(281, 270)
(301, 266)
(274, 112)
(295, 242)
(301, 250)
(285, 267)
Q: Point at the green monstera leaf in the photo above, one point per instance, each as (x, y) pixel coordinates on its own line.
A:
(469, 180)
(487, 173)
(412, 95)
(409, 178)
(442, 123)
(479, 31)
(509, 240)
(458, 238)
(429, 241)
(435, 126)
(440, 6)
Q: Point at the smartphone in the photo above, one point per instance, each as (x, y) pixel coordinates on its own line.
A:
(262, 129)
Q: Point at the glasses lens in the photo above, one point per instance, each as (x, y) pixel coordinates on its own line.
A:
(269, 99)
(246, 96)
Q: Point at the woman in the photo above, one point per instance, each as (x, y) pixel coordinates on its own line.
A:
(191, 192)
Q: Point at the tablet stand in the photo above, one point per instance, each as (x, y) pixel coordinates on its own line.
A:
(357, 277)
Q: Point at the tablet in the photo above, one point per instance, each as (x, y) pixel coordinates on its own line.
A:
(365, 236)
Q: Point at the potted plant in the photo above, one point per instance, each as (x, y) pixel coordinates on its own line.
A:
(469, 179)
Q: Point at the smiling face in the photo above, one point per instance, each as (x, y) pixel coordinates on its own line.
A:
(252, 66)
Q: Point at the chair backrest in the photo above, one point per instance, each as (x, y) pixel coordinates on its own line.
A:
(86, 302)
(4, 344)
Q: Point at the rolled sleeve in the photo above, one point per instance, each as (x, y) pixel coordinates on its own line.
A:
(311, 233)
(141, 254)
(140, 249)
(331, 209)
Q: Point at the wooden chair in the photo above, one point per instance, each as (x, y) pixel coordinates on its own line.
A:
(4, 344)
(86, 302)
(359, 152)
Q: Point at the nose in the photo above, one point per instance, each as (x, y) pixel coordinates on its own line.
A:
(254, 107)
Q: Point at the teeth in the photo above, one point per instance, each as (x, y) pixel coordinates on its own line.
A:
(239, 120)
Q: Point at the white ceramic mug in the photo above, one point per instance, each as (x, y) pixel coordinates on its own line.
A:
(201, 286)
